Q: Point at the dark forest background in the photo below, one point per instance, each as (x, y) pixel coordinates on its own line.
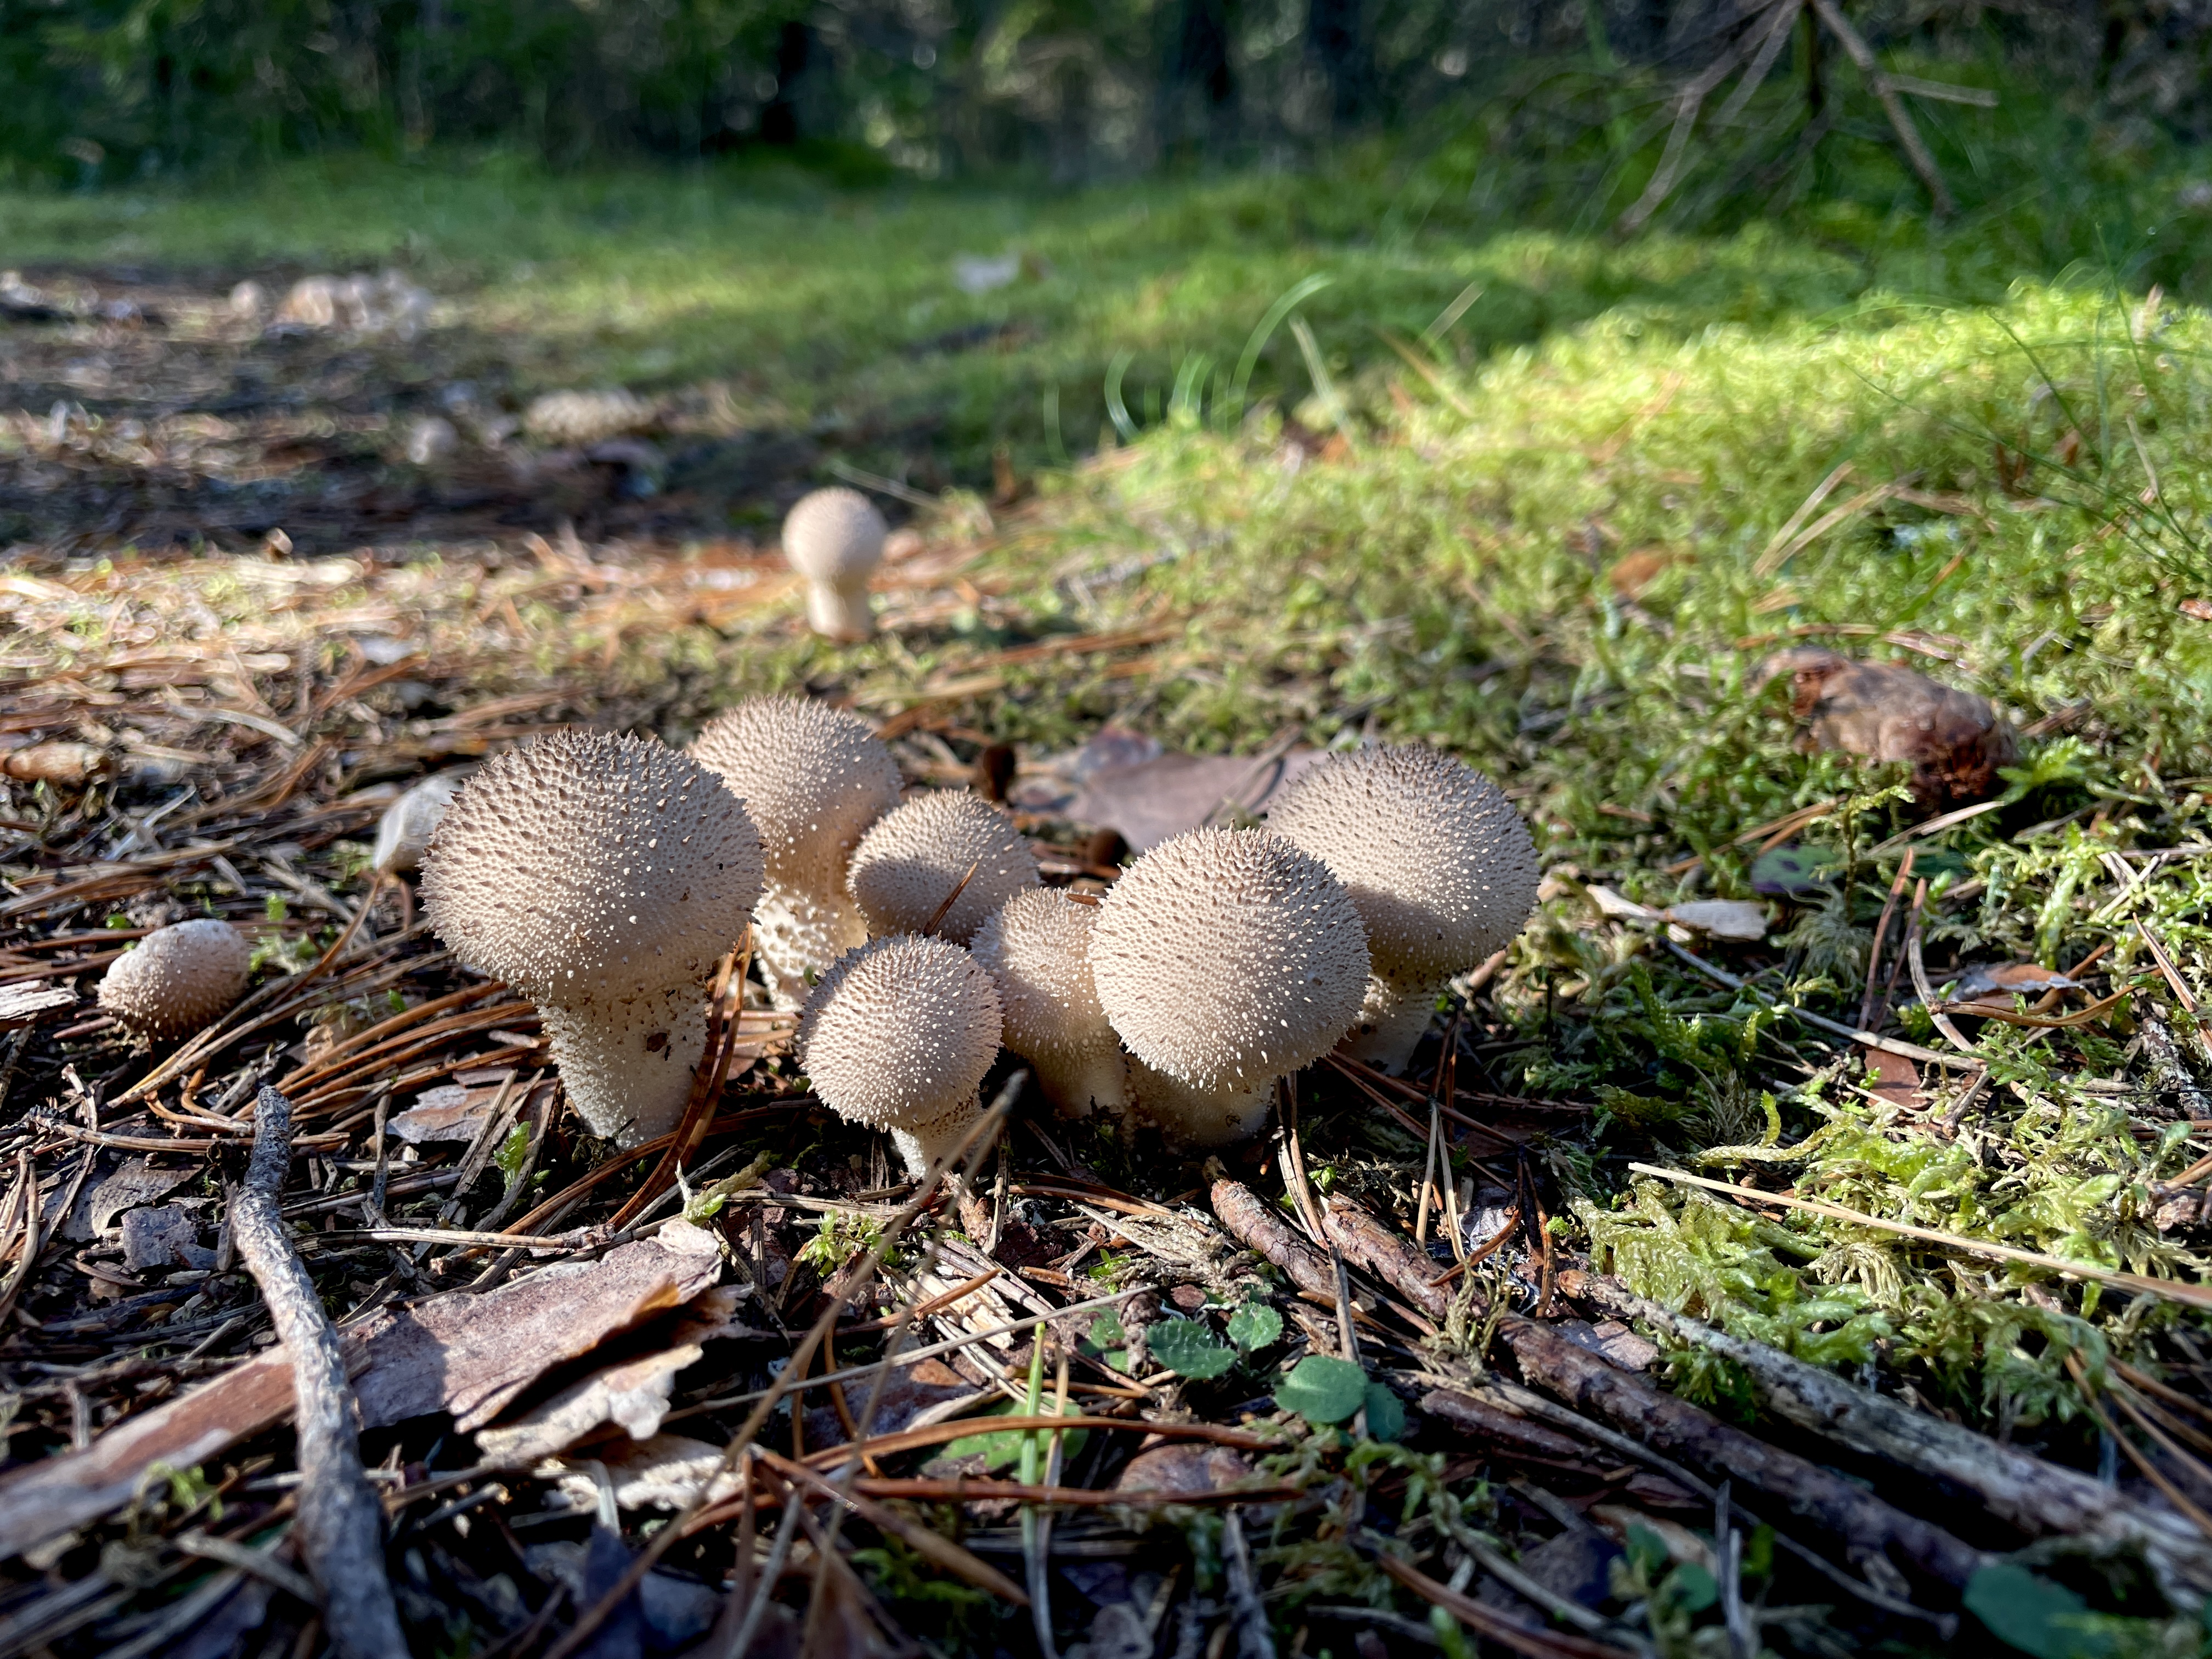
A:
(114, 90)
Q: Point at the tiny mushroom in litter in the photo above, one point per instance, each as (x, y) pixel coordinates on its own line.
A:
(833, 539)
(897, 1035)
(1037, 947)
(603, 878)
(814, 779)
(1440, 865)
(1225, 958)
(917, 857)
(178, 979)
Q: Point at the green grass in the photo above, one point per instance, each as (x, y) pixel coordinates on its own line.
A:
(1453, 576)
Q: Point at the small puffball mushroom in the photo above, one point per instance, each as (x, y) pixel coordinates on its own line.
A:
(1037, 948)
(814, 779)
(897, 1035)
(1225, 958)
(913, 860)
(1440, 865)
(404, 832)
(835, 539)
(178, 979)
(603, 878)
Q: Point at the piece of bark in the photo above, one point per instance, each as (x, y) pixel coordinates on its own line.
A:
(1253, 1222)
(340, 1525)
(1516, 1435)
(2021, 1490)
(472, 1355)
(632, 1395)
(1954, 740)
(455, 1352)
(1384, 1252)
(26, 1005)
(1868, 1525)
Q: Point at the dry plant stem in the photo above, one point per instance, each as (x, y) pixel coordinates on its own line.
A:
(26, 1178)
(1880, 935)
(1255, 1639)
(2172, 1290)
(1908, 136)
(340, 1519)
(849, 1285)
(1493, 1626)
(2019, 1489)
(940, 1552)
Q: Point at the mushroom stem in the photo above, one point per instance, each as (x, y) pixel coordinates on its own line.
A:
(839, 610)
(799, 932)
(1392, 1021)
(1080, 1081)
(628, 1077)
(1194, 1115)
(924, 1146)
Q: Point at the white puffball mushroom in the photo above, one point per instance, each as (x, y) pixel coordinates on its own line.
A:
(1440, 865)
(404, 833)
(1037, 948)
(897, 1035)
(1225, 958)
(814, 779)
(603, 878)
(178, 979)
(914, 858)
(835, 539)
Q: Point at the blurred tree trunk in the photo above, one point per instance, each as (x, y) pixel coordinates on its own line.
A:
(779, 121)
(1343, 44)
(1201, 74)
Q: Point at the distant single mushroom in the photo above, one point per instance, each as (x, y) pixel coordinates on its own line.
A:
(404, 833)
(897, 1035)
(917, 857)
(835, 539)
(1225, 959)
(814, 779)
(1037, 948)
(178, 979)
(1438, 863)
(603, 878)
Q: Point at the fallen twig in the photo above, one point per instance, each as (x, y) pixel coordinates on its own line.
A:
(341, 1522)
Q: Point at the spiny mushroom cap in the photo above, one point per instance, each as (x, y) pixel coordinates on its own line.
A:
(1224, 956)
(178, 979)
(812, 778)
(1440, 865)
(585, 867)
(1037, 948)
(833, 533)
(899, 1031)
(911, 861)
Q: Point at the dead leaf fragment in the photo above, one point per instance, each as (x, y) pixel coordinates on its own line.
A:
(1633, 572)
(661, 1472)
(1185, 1466)
(469, 1355)
(633, 1396)
(1738, 921)
(166, 1237)
(2197, 610)
(1955, 741)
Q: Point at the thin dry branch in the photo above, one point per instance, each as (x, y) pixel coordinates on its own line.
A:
(341, 1520)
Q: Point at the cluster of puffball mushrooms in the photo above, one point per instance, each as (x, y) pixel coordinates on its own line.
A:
(605, 877)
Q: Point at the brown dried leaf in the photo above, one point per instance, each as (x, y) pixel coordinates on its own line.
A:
(632, 1395)
(470, 1355)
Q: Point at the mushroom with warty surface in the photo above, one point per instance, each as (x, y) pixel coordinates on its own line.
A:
(914, 858)
(1037, 948)
(1225, 958)
(897, 1035)
(178, 979)
(1440, 865)
(833, 539)
(814, 779)
(603, 878)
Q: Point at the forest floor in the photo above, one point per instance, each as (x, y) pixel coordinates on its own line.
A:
(1194, 475)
